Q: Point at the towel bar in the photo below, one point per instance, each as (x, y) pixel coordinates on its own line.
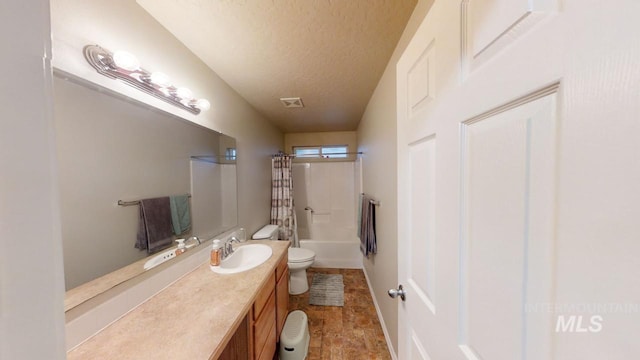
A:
(135, 202)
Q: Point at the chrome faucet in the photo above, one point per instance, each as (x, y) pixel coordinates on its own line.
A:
(227, 249)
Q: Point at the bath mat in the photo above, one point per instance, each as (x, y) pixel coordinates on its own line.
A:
(327, 290)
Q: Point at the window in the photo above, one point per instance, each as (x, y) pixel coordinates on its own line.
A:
(230, 154)
(306, 151)
(327, 152)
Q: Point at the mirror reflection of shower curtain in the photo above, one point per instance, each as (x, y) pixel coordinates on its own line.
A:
(283, 211)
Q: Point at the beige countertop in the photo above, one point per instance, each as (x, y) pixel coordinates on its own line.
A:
(193, 318)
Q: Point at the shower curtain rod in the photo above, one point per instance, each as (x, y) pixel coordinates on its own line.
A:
(311, 157)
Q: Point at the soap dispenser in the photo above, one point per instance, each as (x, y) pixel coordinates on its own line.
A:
(181, 247)
(216, 252)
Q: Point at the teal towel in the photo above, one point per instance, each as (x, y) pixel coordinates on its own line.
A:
(180, 214)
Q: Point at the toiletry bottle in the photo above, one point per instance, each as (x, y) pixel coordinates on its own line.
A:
(216, 249)
(181, 247)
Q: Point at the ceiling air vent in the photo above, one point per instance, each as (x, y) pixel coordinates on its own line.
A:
(294, 102)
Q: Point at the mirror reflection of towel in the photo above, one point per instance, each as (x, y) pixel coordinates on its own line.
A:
(154, 225)
(180, 214)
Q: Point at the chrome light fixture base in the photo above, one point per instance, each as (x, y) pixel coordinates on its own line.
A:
(103, 61)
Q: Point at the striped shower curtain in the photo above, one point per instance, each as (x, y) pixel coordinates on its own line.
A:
(283, 212)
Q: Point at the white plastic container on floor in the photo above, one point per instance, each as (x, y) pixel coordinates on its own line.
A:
(294, 339)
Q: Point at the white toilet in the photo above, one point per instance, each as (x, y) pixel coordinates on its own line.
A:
(299, 260)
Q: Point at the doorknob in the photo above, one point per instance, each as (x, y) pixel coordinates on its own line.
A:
(394, 293)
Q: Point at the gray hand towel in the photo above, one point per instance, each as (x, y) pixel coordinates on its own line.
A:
(154, 225)
(367, 228)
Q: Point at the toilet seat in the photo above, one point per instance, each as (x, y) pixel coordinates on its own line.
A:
(298, 255)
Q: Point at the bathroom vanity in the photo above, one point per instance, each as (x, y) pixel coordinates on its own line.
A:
(263, 324)
(203, 315)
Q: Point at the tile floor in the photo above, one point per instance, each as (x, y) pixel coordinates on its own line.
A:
(350, 332)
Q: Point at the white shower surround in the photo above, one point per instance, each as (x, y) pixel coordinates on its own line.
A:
(335, 254)
(330, 189)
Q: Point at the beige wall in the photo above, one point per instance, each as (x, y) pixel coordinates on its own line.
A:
(348, 138)
(31, 277)
(377, 141)
(123, 24)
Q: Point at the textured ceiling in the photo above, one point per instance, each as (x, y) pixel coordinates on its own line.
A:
(331, 53)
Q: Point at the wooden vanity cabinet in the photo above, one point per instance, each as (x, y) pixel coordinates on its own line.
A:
(269, 312)
(239, 346)
(282, 294)
(264, 321)
(259, 333)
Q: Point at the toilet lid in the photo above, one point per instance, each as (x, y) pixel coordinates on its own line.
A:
(300, 255)
(265, 232)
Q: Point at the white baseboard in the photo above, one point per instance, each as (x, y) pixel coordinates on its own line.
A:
(392, 351)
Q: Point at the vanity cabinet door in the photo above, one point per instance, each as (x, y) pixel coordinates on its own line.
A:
(263, 297)
(265, 330)
(239, 345)
(269, 313)
(282, 295)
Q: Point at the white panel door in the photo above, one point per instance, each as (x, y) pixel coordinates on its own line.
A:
(519, 181)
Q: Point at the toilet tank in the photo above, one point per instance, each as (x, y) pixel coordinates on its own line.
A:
(267, 232)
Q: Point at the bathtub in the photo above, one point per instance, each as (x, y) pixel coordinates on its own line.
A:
(334, 242)
(337, 254)
(336, 248)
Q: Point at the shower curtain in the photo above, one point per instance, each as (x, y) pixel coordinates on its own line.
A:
(283, 212)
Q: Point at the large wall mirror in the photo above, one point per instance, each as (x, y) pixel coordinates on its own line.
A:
(113, 148)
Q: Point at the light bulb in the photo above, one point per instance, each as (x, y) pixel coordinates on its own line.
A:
(138, 76)
(160, 79)
(126, 60)
(184, 93)
(203, 104)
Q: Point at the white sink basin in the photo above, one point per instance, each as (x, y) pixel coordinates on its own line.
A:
(244, 258)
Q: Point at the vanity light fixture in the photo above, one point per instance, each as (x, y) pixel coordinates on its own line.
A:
(124, 66)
